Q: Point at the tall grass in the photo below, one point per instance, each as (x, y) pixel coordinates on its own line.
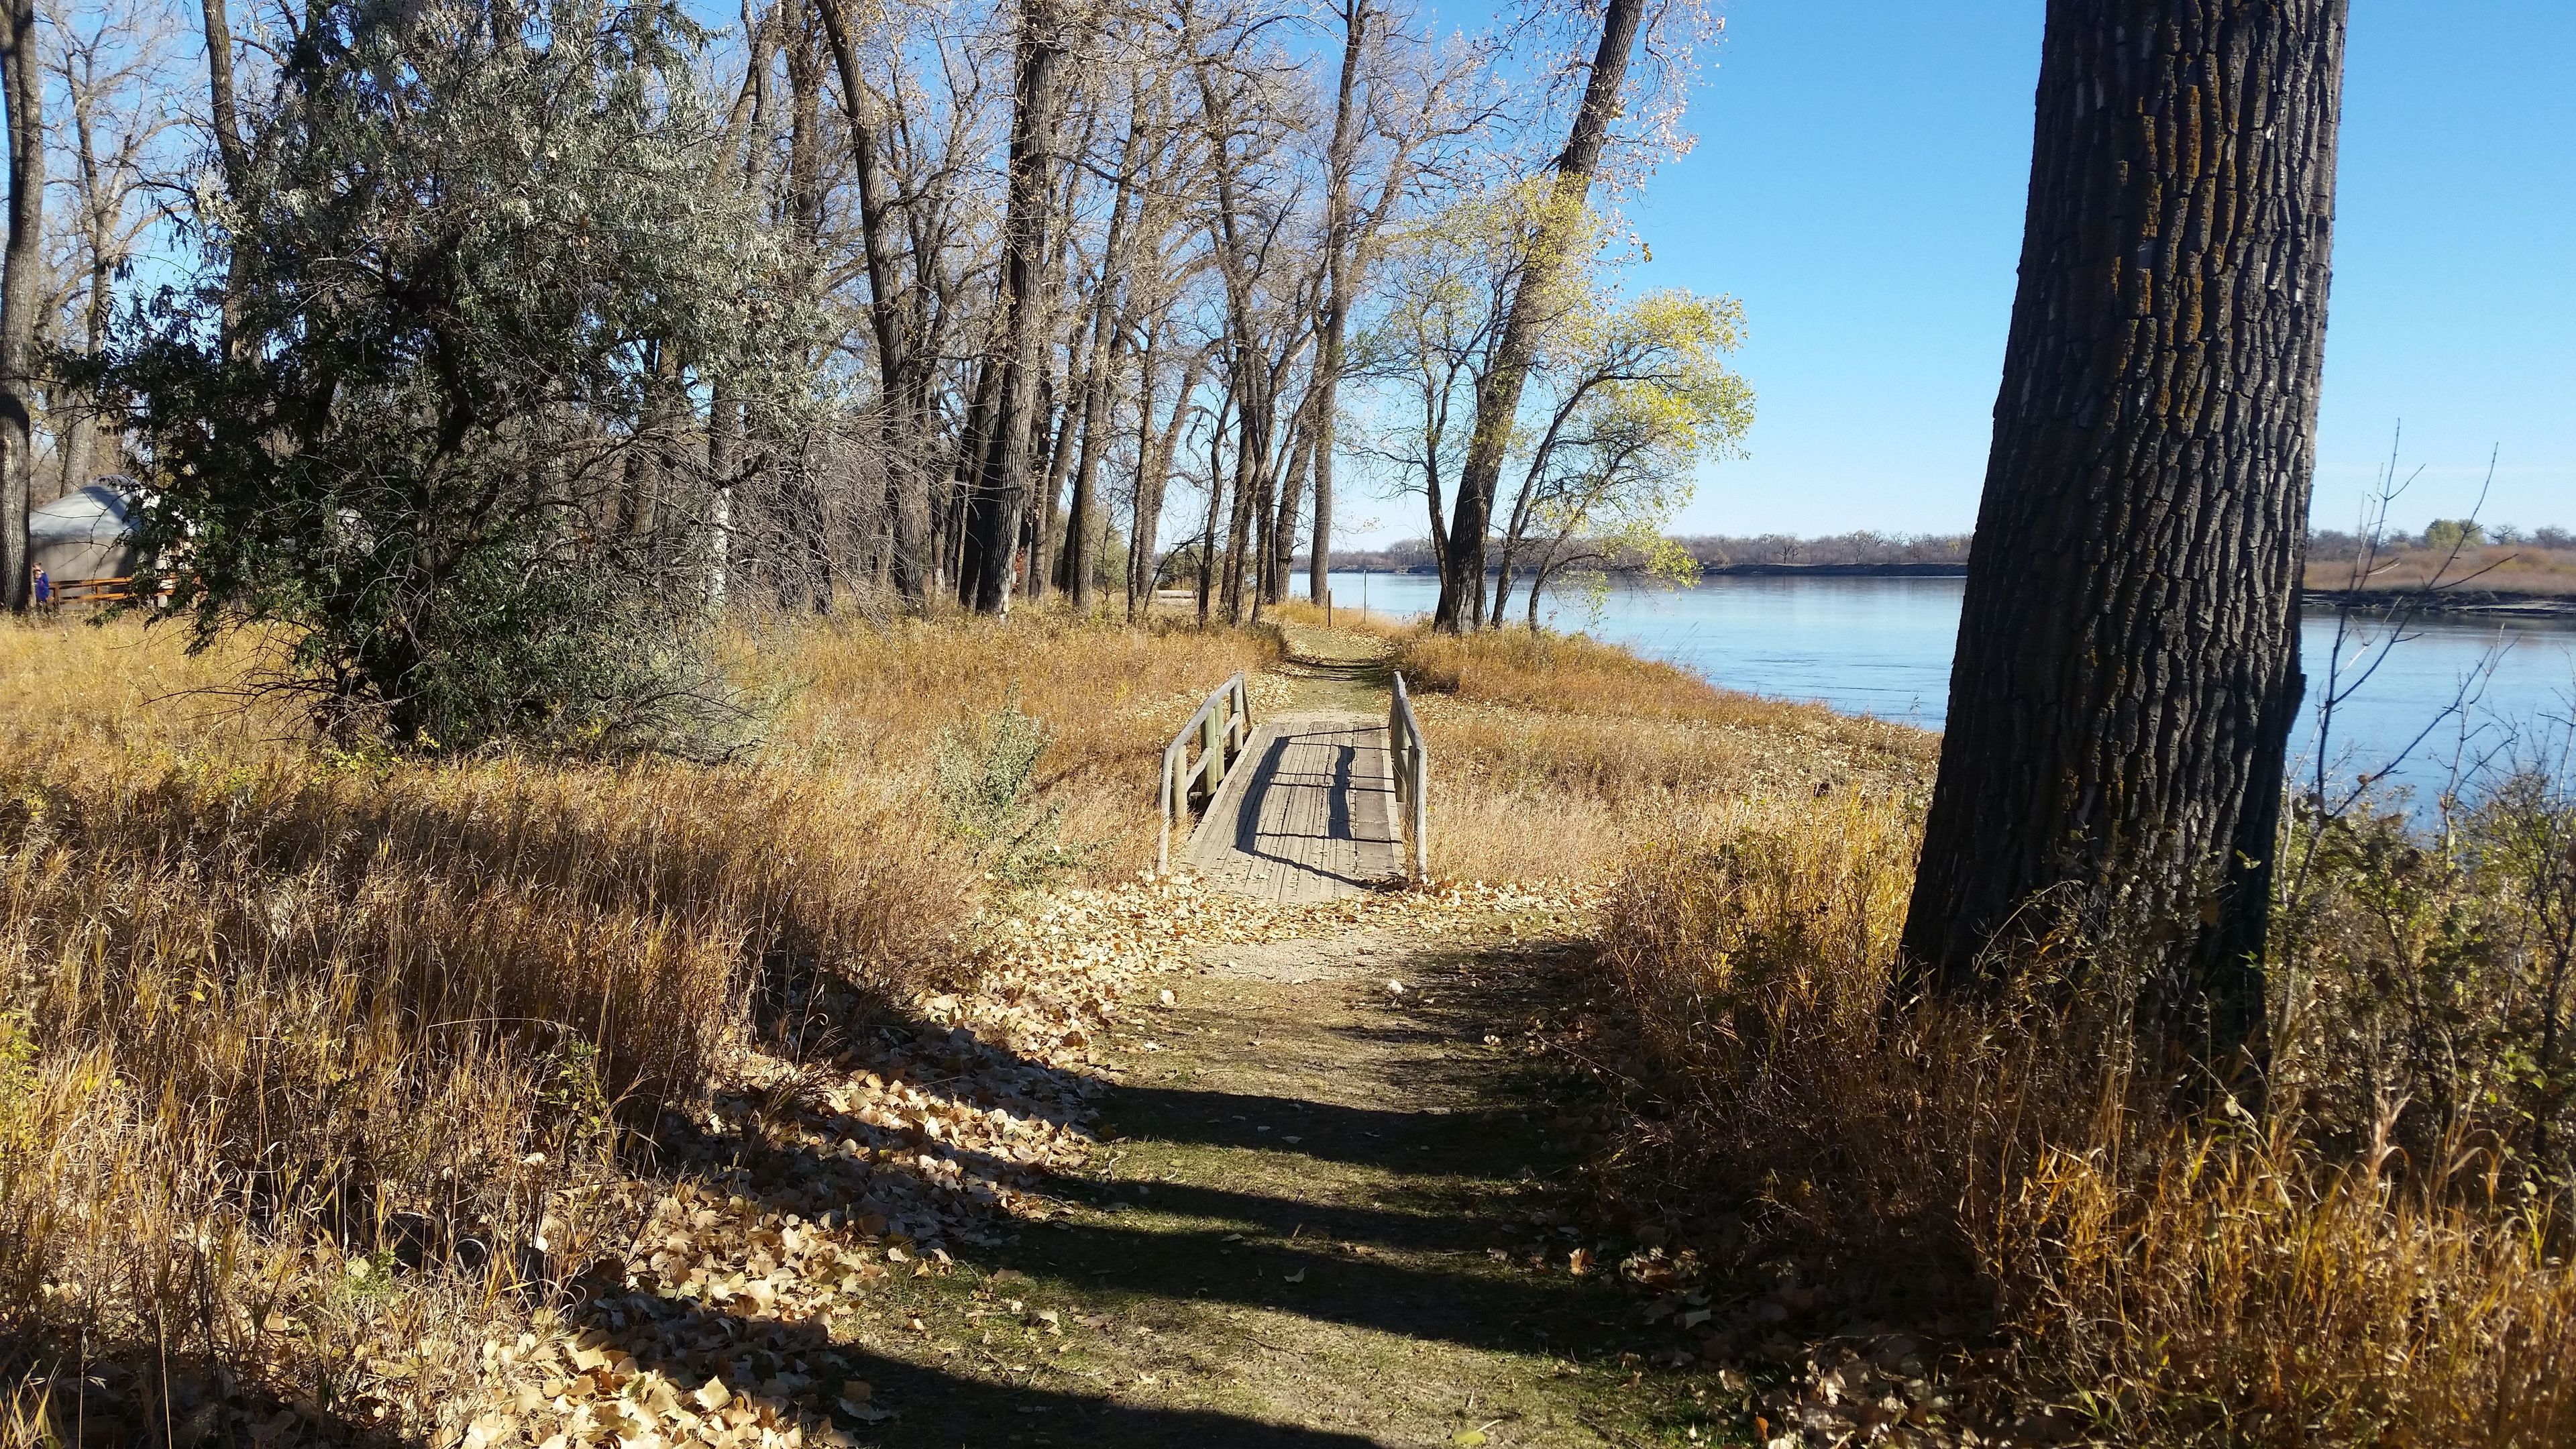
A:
(1613, 751)
(314, 1069)
(2177, 1279)
(2520, 568)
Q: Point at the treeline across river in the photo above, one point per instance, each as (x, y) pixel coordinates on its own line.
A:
(2452, 566)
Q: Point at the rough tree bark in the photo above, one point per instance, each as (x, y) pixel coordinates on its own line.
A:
(1108, 340)
(1002, 494)
(2128, 670)
(1333, 327)
(903, 432)
(223, 117)
(24, 262)
(1294, 476)
(1534, 305)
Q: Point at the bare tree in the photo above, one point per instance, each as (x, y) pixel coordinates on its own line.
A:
(20, 293)
(108, 69)
(1052, 245)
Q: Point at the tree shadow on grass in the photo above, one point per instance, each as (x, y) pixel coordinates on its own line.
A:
(909, 1402)
(1428, 1256)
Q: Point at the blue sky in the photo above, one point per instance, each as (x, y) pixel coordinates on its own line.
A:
(1859, 184)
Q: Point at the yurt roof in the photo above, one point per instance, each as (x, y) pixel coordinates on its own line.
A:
(99, 513)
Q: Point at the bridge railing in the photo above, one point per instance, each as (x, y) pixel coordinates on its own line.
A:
(1412, 767)
(99, 591)
(1219, 729)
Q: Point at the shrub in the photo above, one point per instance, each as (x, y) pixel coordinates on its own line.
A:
(985, 776)
(2379, 1261)
(453, 482)
(2450, 533)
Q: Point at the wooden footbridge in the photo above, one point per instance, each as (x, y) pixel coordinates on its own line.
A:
(1304, 807)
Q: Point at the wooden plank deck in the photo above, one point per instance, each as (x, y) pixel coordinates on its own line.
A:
(1308, 814)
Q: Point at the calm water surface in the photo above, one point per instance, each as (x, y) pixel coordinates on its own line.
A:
(1881, 646)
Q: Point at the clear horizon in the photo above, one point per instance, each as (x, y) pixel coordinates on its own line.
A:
(1859, 183)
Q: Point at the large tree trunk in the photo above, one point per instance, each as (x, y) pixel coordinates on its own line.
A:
(1004, 492)
(1333, 326)
(1082, 530)
(965, 491)
(1154, 476)
(1145, 502)
(2127, 671)
(1536, 301)
(23, 262)
(223, 117)
(1216, 501)
(902, 433)
(1328, 367)
(1251, 476)
(1296, 472)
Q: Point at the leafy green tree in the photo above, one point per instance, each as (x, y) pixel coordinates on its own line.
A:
(478, 271)
(1622, 399)
(2454, 533)
(1639, 395)
(1451, 282)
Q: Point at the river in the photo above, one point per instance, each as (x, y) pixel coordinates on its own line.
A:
(1881, 646)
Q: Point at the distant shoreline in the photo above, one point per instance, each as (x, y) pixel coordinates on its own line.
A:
(1841, 571)
(1872, 570)
(2485, 603)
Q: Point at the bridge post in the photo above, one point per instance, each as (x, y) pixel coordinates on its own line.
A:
(1211, 748)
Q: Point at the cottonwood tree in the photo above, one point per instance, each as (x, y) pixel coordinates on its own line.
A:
(1399, 105)
(21, 283)
(1628, 397)
(1639, 397)
(1450, 285)
(1671, 31)
(109, 70)
(1047, 32)
(1070, 260)
(2128, 668)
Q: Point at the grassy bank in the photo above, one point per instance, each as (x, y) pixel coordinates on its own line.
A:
(317, 1071)
(2380, 1260)
(2520, 570)
(1610, 751)
(328, 1082)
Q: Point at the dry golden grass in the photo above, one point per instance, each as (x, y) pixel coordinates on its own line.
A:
(2181, 1282)
(277, 1020)
(1556, 756)
(2497, 568)
(876, 699)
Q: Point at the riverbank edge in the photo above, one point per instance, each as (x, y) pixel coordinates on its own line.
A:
(2475, 602)
(2482, 602)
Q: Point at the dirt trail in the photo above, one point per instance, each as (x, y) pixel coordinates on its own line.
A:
(1326, 1201)
(1330, 1210)
(1328, 1213)
(1335, 672)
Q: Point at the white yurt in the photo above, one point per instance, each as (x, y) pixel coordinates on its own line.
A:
(85, 534)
